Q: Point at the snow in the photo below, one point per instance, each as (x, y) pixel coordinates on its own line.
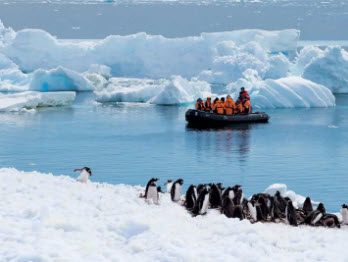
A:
(288, 92)
(55, 218)
(31, 99)
(177, 90)
(330, 69)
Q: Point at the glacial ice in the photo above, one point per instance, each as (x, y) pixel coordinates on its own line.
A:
(101, 222)
(285, 92)
(330, 69)
(59, 79)
(27, 100)
(159, 70)
(177, 90)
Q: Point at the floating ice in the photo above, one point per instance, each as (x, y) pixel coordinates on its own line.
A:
(165, 92)
(330, 69)
(32, 99)
(100, 222)
(285, 92)
(59, 79)
(143, 55)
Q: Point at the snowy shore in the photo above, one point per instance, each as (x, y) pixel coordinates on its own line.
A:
(54, 218)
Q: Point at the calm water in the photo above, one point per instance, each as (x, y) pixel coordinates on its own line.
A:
(129, 143)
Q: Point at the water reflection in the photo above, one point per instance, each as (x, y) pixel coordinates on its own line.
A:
(233, 141)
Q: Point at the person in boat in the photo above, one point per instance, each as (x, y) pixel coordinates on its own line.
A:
(243, 95)
(230, 106)
(200, 104)
(218, 106)
(208, 105)
(243, 102)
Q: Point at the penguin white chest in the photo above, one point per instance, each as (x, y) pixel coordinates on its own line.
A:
(344, 213)
(205, 204)
(177, 192)
(152, 195)
(83, 177)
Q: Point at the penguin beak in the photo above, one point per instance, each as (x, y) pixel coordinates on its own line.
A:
(77, 170)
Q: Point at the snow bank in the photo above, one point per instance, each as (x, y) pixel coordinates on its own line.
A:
(177, 90)
(286, 92)
(32, 99)
(45, 217)
(330, 69)
(59, 79)
(141, 55)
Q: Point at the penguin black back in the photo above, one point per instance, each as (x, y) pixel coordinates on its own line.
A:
(291, 216)
(191, 197)
(307, 205)
(228, 207)
(215, 197)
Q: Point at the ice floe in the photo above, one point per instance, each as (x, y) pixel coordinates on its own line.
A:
(31, 99)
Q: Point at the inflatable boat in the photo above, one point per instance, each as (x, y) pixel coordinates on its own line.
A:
(203, 118)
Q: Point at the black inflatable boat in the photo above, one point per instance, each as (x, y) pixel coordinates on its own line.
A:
(203, 118)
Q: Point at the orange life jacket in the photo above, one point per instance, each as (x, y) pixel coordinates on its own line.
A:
(219, 107)
(239, 107)
(247, 106)
(229, 106)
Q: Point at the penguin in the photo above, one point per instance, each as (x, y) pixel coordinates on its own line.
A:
(262, 205)
(301, 216)
(175, 191)
(228, 207)
(202, 203)
(330, 220)
(274, 211)
(150, 182)
(238, 212)
(200, 188)
(252, 211)
(152, 194)
(169, 185)
(238, 194)
(307, 206)
(344, 213)
(290, 214)
(315, 216)
(215, 199)
(281, 201)
(191, 197)
(228, 193)
(85, 173)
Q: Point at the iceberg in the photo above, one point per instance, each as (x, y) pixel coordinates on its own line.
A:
(330, 69)
(288, 92)
(177, 90)
(140, 55)
(59, 79)
(32, 99)
(79, 222)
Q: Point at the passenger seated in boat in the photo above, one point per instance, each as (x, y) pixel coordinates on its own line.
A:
(207, 105)
(243, 107)
(230, 106)
(199, 104)
(218, 106)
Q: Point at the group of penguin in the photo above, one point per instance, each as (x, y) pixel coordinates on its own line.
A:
(261, 207)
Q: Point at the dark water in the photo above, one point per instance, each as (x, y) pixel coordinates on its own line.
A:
(129, 143)
(317, 20)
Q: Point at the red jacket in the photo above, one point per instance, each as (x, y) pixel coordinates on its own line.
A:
(244, 95)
